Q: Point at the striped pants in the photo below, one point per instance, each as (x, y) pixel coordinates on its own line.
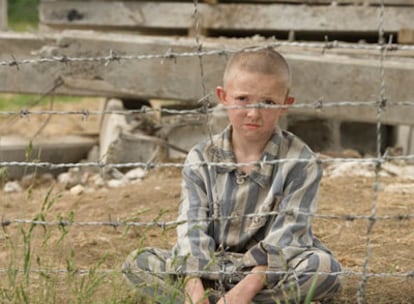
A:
(312, 275)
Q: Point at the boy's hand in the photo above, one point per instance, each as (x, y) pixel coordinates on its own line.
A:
(247, 288)
(234, 297)
(194, 292)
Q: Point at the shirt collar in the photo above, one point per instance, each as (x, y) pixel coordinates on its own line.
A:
(223, 155)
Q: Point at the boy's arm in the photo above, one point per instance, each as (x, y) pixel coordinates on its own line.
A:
(194, 291)
(195, 246)
(247, 288)
(290, 232)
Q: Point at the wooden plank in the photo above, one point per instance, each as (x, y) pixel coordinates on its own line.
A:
(308, 2)
(222, 16)
(332, 78)
(17, 45)
(316, 2)
(3, 15)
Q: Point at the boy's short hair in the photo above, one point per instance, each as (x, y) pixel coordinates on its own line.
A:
(264, 61)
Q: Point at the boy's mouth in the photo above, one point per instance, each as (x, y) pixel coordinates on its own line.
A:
(252, 125)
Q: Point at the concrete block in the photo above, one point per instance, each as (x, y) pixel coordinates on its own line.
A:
(185, 132)
(329, 135)
(185, 135)
(362, 137)
(119, 141)
(318, 134)
(57, 149)
(405, 139)
(132, 148)
(126, 139)
(111, 127)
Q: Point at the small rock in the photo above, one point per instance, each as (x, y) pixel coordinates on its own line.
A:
(10, 187)
(399, 188)
(35, 180)
(408, 172)
(77, 190)
(137, 173)
(97, 180)
(392, 169)
(351, 169)
(116, 183)
(116, 174)
(68, 179)
(47, 178)
(27, 180)
(85, 178)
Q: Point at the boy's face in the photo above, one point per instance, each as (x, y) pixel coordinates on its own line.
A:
(244, 88)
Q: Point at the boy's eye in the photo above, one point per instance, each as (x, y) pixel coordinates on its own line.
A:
(241, 98)
(269, 102)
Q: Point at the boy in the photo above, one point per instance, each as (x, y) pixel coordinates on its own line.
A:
(246, 222)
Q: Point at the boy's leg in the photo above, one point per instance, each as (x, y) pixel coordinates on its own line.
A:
(147, 270)
(302, 280)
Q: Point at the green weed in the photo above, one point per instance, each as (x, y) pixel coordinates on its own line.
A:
(23, 14)
(19, 101)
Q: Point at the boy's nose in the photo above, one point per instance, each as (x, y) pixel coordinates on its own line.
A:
(253, 111)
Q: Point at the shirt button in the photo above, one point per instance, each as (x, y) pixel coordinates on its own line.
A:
(240, 179)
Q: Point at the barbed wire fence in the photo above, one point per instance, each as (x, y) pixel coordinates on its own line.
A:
(380, 105)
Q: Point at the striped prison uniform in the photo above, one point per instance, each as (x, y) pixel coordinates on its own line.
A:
(230, 222)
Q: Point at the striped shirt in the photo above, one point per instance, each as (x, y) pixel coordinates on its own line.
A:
(263, 217)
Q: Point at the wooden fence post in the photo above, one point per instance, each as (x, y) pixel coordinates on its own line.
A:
(3, 15)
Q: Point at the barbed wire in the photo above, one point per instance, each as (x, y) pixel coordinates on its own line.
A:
(173, 224)
(382, 103)
(169, 54)
(80, 271)
(318, 105)
(154, 164)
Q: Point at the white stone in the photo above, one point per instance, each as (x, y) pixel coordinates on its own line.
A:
(116, 183)
(116, 174)
(77, 190)
(10, 187)
(47, 178)
(392, 169)
(351, 169)
(399, 188)
(27, 180)
(137, 173)
(403, 171)
(408, 172)
(68, 179)
(97, 180)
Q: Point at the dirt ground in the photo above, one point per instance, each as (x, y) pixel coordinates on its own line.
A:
(85, 245)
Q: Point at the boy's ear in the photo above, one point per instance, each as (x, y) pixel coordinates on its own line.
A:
(290, 100)
(221, 94)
